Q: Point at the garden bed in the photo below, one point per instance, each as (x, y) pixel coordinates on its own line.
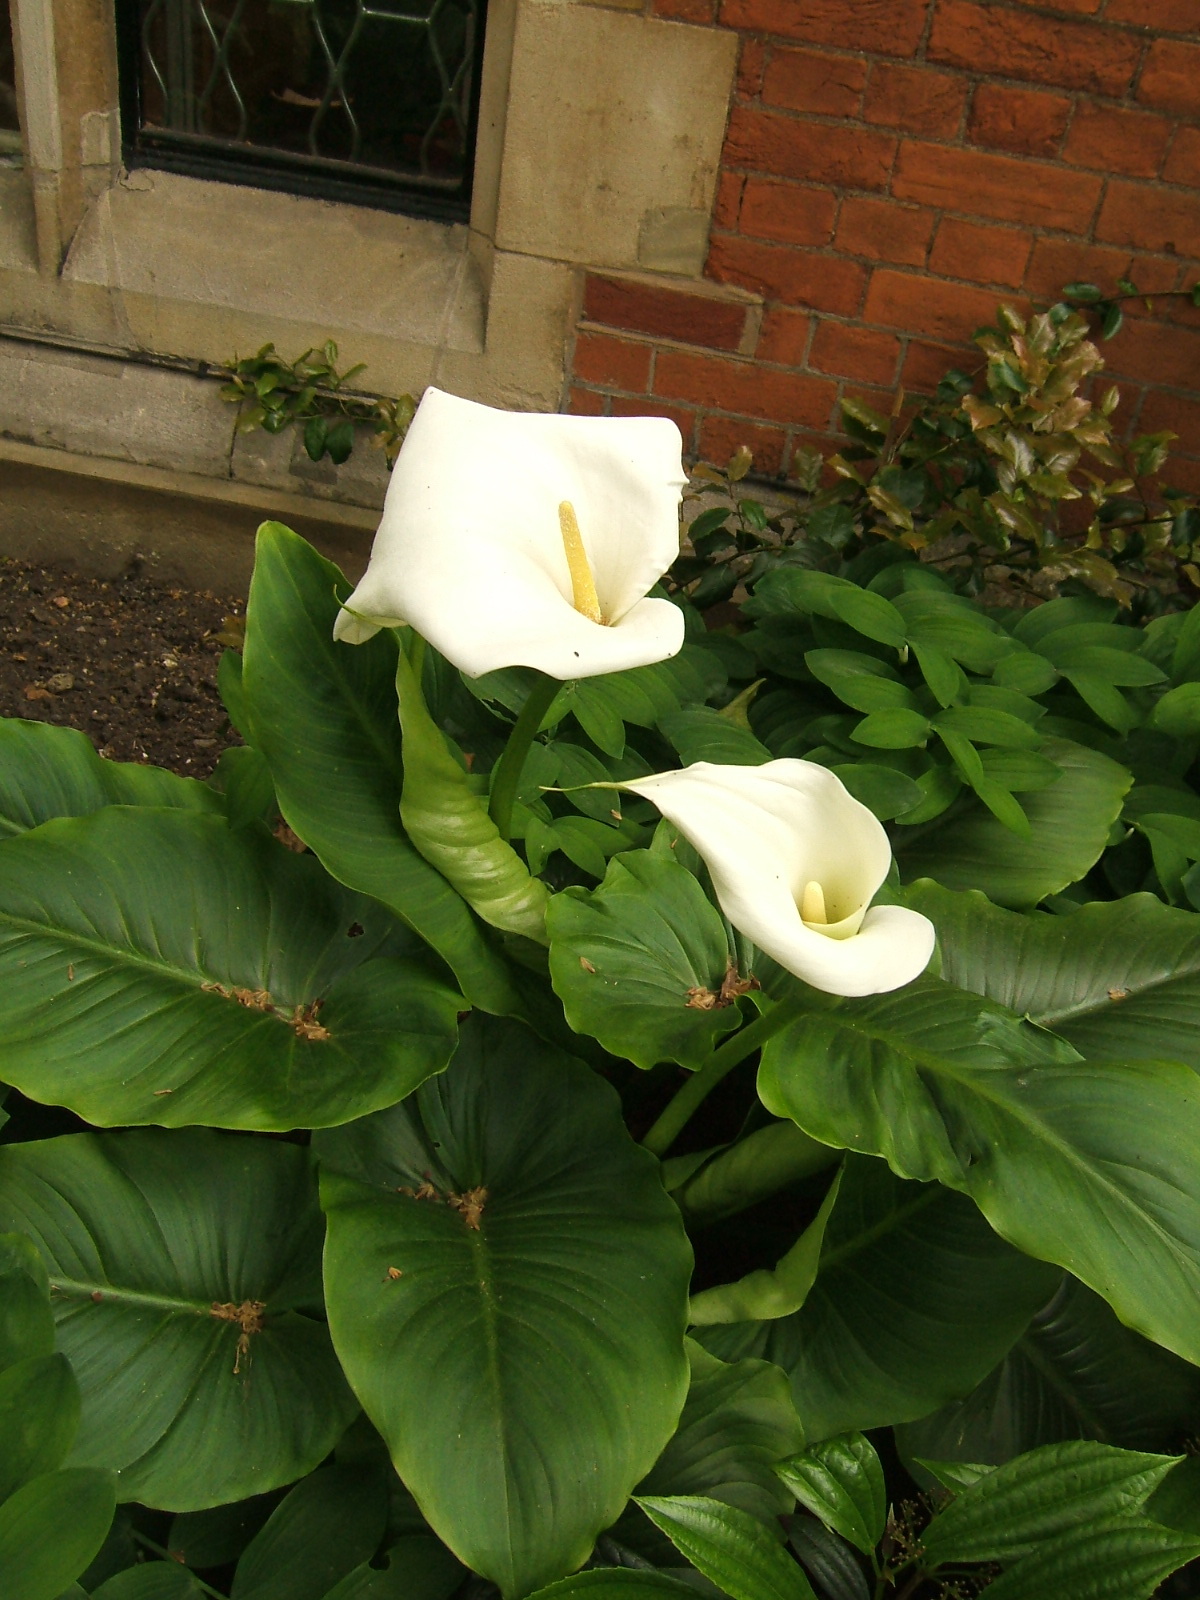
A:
(131, 662)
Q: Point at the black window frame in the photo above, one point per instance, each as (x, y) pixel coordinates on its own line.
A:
(320, 178)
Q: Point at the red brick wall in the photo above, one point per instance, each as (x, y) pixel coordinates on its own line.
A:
(894, 168)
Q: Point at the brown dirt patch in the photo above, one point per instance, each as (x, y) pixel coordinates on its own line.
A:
(130, 662)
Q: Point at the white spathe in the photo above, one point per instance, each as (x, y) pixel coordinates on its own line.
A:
(470, 550)
(786, 842)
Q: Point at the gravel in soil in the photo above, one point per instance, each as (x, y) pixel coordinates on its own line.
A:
(130, 662)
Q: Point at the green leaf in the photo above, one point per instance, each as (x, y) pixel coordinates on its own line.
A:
(616, 1583)
(1018, 1507)
(158, 967)
(739, 1420)
(315, 430)
(1122, 1559)
(1026, 672)
(143, 1233)
(449, 824)
(1090, 1165)
(916, 1299)
(39, 1416)
(627, 958)
(51, 1529)
(1075, 1373)
(50, 772)
(767, 1294)
(892, 730)
(324, 715)
(883, 790)
(464, 1320)
(153, 1580)
(867, 613)
(414, 1568)
(954, 626)
(858, 680)
(217, 1537)
(26, 1321)
(244, 778)
(1178, 712)
(703, 734)
(731, 1548)
(988, 727)
(942, 674)
(327, 1526)
(841, 1481)
(1119, 979)
(1070, 824)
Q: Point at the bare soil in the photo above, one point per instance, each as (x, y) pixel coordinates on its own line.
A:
(130, 662)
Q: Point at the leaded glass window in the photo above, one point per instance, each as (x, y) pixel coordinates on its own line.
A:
(365, 100)
(10, 128)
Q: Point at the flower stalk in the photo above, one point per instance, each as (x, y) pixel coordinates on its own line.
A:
(512, 762)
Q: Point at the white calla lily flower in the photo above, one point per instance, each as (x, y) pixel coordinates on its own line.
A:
(520, 539)
(795, 861)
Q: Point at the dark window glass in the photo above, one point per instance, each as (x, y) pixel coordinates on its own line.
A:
(370, 100)
(9, 126)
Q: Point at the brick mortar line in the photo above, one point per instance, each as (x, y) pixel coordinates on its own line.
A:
(959, 141)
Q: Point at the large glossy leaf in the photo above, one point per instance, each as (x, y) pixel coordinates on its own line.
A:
(616, 1583)
(159, 967)
(185, 1270)
(639, 962)
(415, 1568)
(507, 1282)
(915, 1300)
(841, 1481)
(731, 1548)
(327, 1526)
(51, 1529)
(1118, 978)
(1123, 1558)
(324, 714)
(50, 772)
(1091, 1165)
(738, 1422)
(1008, 1513)
(449, 824)
(26, 1321)
(1075, 1373)
(1069, 827)
(39, 1416)
(154, 1580)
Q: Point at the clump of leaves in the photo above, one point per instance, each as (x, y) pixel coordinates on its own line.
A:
(274, 394)
(985, 481)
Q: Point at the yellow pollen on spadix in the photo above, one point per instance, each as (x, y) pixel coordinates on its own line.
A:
(583, 586)
(812, 904)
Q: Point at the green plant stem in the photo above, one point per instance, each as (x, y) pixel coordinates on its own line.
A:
(719, 1065)
(512, 762)
(157, 1549)
(416, 654)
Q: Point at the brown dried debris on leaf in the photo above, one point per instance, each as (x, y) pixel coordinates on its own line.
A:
(302, 1019)
(469, 1205)
(252, 999)
(424, 1191)
(249, 1318)
(305, 1024)
(702, 999)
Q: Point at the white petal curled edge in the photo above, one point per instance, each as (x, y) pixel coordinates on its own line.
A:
(470, 548)
(764, 833)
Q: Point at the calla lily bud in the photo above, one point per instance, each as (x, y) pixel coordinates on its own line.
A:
(795, 861)
(517, 539)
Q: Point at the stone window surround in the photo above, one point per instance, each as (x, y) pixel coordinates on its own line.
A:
(599, 141)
